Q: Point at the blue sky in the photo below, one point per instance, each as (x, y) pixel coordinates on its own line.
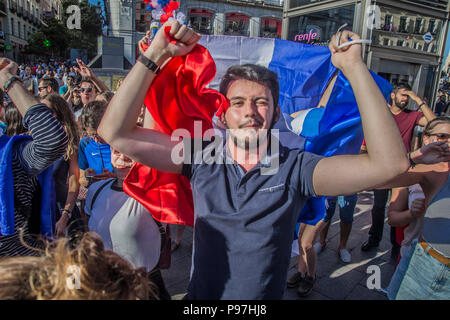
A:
(447, 49)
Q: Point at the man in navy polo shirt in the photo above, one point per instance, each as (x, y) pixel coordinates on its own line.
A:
(245, 214)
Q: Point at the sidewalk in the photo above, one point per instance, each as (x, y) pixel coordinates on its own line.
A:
(335, 280)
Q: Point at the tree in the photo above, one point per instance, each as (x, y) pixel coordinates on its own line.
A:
(91, 27)
(50, 39)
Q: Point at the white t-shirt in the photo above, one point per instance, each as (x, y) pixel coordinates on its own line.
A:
(124, 224)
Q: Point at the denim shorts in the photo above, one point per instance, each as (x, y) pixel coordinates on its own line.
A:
(419, 276)
(347, 206)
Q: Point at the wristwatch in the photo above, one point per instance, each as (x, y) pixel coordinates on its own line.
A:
(149, 64)
(9, 82)
(69, 214)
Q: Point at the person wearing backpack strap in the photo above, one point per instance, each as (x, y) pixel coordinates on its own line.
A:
(126, 226)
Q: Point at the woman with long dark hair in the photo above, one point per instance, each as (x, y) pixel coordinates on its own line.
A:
(13, 119)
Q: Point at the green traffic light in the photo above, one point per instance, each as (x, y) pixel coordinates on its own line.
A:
(47, 43)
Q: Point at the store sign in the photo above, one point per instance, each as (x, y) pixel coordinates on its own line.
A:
(8, 47)
(428, 37)
(313, 34)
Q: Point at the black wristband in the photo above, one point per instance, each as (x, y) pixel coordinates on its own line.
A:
(10, 82)
(153, 67)
(421, 105)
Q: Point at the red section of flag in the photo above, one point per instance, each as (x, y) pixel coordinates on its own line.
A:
(177, 97)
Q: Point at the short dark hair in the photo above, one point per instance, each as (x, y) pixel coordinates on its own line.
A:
(401, 85)
(50, 82)
(92, 114)
(88, 80)
(252, 72)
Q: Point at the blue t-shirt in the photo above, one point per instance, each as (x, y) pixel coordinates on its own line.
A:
(92, 154)
(63, 89)
(244, 224)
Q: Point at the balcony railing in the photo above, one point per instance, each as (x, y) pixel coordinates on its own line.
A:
(439, 4)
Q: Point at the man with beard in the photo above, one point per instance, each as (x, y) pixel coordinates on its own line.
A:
(406, 120)
(47, 85)
(245, 216)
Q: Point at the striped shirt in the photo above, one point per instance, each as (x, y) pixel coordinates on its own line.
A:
(28, 160)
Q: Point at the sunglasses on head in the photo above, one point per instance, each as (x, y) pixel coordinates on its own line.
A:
(86, 89)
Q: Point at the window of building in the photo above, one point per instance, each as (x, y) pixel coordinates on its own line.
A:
(12, 27)
(299, 3)
(323, 23)
(432, 26)
(237, 24)
(400, 43)
(403, 27)
(201, 20)
(418, 26)
(386, 42)
(388, 25)
(18, 29)
(270, 28)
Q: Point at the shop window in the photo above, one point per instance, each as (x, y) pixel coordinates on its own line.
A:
(201, 20)
(270, 28)
(299, 3)
(237, 24)
(325, 23)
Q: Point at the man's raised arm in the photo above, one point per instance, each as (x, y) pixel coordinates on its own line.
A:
(118, 126)
(386, 155)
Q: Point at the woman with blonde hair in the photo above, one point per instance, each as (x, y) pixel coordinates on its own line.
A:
(86, 272)
(66, 169)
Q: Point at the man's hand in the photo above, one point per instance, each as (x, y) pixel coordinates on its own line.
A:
(162, 49)
(348, 57)
(414, 97)
(418, 207)
(105, 175)
(8, 69)
(83, 69)
(432, 153)
(60, 226)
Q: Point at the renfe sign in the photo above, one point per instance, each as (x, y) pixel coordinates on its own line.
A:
(313, 34)
(306, 36)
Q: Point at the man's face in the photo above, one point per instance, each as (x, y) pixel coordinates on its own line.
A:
(251, 110)
(88, 92)
(28, 71)
(401, 98)
(44, 91)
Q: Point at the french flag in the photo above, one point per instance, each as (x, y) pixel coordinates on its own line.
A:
(186, 91)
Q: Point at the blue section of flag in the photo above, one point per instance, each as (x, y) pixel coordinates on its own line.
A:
(303, 72)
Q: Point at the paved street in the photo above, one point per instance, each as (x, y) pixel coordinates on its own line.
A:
(336, 280)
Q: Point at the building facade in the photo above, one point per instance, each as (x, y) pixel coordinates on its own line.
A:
(21, 20)
(408, 36)
(251, 18)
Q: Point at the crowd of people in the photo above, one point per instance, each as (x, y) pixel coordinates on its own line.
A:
(67, 144)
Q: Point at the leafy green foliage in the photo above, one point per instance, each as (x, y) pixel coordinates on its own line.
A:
(61, 39)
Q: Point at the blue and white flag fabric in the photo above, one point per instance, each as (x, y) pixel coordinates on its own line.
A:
(304, 72)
